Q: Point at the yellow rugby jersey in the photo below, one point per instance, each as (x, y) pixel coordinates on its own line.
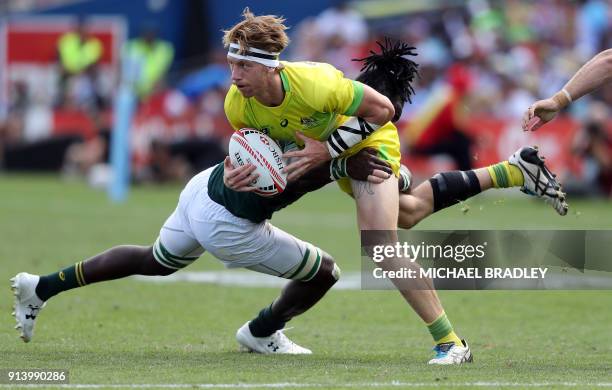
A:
(318, 99)
(316, 96)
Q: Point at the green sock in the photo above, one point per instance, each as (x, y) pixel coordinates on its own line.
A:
(265, 323)
(442, 331)
(505, 175)
(63, 280)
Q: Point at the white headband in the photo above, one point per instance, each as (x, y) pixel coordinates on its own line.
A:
(256, 55)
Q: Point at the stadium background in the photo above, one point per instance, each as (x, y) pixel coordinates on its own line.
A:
(482, 64)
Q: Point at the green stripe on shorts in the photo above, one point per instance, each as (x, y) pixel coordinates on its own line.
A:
(309, 266)
(163, 261)
(314, 269)
(302, 264)
(167, 259)
(167, 254)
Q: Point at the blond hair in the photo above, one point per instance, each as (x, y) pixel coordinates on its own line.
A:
(264, 32)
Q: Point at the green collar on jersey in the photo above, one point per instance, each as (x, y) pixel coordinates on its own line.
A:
(285, 81)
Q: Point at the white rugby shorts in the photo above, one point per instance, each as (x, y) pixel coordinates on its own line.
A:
(200, 224)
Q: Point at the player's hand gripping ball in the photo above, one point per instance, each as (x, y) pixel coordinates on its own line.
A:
(250, 146)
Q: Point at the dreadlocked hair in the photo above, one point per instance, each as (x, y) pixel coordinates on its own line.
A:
(390, 73)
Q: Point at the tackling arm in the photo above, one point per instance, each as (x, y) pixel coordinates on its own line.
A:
(316, 152)
(365, 165)
(592, 75)
(374, 111)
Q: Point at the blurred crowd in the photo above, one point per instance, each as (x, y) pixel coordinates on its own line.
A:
(478, 57)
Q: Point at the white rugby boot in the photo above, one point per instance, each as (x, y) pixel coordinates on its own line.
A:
(27, 304)
(451, 353)
(276, 343)
(538, 179)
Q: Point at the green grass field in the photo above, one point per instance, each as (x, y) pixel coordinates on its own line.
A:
(130, 332)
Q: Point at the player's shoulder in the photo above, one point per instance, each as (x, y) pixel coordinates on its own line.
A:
(307, 65)
(309, 70)
(312, 80)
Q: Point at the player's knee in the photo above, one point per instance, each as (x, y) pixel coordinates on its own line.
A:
(406, 221)
(329, 272)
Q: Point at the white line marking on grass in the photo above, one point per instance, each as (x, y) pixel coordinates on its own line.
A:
(348, 281)
(352, 280)
(302, 385)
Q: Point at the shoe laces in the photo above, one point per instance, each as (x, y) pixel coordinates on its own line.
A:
(280, 338)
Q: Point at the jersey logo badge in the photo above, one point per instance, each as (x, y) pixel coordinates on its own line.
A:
(309, 122)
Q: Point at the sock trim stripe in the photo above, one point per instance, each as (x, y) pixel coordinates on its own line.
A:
(494, 178)
(82, 273)
(498, 176)
(436, 320)
(440, 328)
(76, 274)
(79, 274)
(506, 175)
(501, 175)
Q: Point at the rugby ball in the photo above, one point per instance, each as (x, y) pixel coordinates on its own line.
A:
(254, 147)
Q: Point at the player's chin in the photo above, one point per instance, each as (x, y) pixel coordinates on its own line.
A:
(245, 92)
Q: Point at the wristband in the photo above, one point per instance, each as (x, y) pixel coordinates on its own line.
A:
(406, 176)
(337, 168)
(562, 98)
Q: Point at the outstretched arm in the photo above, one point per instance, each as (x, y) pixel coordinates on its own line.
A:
(592, 75)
